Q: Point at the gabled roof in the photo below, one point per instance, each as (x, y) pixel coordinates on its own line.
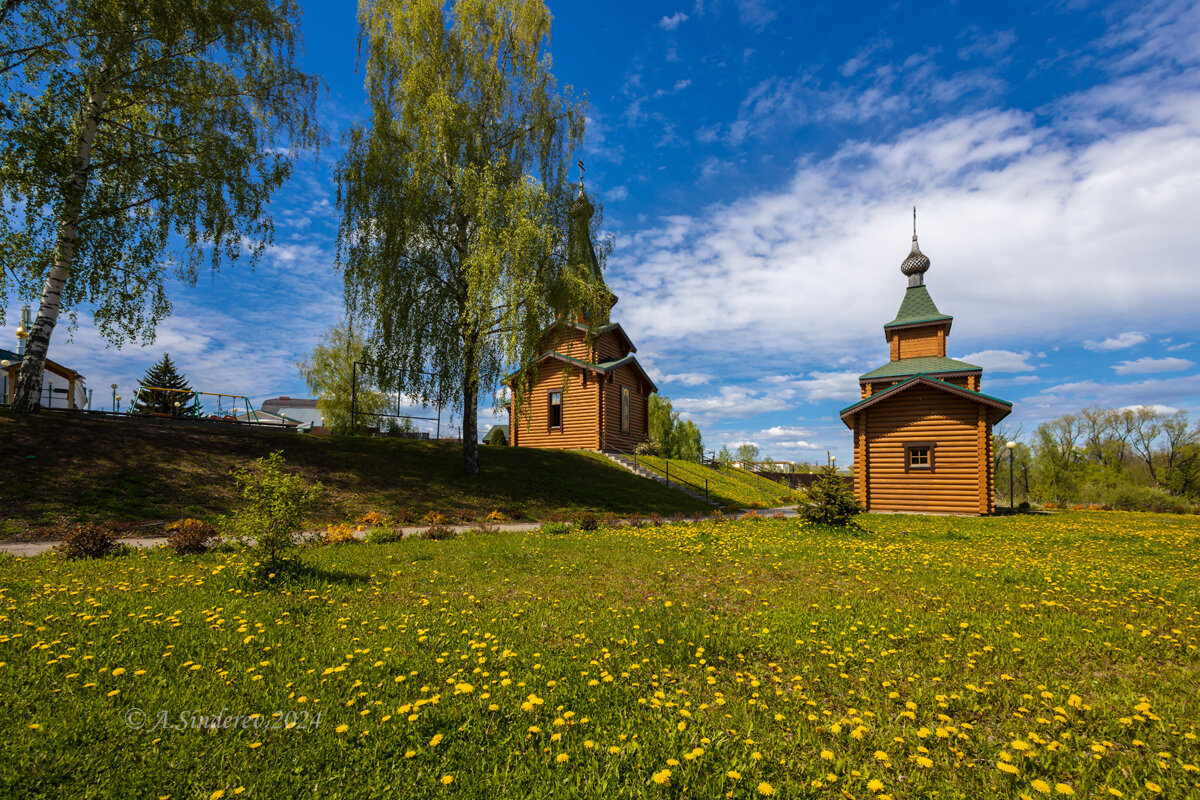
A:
(922, 365)
(579, 326)
(603, 368)
(917, 307)
(1003, 407)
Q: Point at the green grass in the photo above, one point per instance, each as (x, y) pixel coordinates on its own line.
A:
(917, 657)
(68, 469)
(728, 489)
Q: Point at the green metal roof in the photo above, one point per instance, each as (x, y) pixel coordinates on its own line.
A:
(893, 389)
(917, 306)
(928, 365)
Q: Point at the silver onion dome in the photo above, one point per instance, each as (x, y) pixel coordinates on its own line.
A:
(917, 263)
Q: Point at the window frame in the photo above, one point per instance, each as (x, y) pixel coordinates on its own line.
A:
(909, 447)
(626, 409)
(550, 405)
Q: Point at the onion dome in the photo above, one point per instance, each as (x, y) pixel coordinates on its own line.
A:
(917, 263)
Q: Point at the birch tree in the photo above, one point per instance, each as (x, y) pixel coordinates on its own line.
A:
(142, 139)
(455, 197)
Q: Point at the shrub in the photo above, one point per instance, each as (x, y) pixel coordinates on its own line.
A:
(648, 448)
(438, 532)
(406, 516)
(586, 521)
(436, 518)
(381, 535)
(609, 519)
(87, 541)
(271, 508)
(830, 500)
(190, 536)
(339, 534)
(656, 520)
(1146, 498)
(556, 528)
(495, 516)
(371, 518)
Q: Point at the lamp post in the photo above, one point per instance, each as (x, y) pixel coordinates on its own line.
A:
(114, 388)
(117, 403)
(1012, 448)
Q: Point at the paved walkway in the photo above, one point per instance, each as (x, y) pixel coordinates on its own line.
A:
(34, 548)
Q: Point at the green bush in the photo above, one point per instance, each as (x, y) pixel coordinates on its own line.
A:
(381, 536)
(1146, 498)
(587, 521)
(272, 506)
(830, 500)
(87, 541)
(556, 528)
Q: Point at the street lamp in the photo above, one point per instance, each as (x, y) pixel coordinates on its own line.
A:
(115, 398)
(1012, 447)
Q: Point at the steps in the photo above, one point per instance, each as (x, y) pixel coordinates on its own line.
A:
(628, 463)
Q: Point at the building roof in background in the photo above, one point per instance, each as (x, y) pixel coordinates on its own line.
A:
(917, 307)
(928, 365)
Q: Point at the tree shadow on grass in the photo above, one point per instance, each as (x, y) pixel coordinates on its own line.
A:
(296, 574)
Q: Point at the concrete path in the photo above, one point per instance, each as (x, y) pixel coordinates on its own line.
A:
(25, 549)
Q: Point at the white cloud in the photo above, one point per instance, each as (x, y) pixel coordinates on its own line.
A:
(617, 193)
(672, 22)
(1161, 409)
(1175, 348)
(1148, 365)
(755, 14)
(687, 378)
(1120, 342)
(1001, 360)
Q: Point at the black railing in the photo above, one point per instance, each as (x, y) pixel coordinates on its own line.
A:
(759, 482)
(666, 473)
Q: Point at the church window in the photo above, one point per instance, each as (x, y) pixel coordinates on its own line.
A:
(919, 456)
(554, 414)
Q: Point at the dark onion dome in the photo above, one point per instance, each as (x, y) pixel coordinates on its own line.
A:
(917, 262)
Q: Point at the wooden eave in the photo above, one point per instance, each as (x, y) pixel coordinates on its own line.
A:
(1002, 408)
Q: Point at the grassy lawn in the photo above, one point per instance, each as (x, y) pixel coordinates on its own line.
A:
(740, 490)
(1006, 657)
(61, 470)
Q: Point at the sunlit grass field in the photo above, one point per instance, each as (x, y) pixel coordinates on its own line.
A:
(919, 657)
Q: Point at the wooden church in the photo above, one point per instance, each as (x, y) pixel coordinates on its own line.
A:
(923, 428)
(588, 391)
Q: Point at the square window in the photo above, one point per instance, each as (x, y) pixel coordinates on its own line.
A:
(624, 409)
(918, 456)
(554, 413)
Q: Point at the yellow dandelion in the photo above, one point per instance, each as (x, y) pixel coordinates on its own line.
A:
(765, 789)
(342, 728)
(827, 755)
(733, 774)
(662, 777)
(1151, 786)
(118, 672)
(1063, 788)
(1041, 786)
(447, 780)
(255, 745)
(875, 785)
(562, 758)
(1004, 766)
(924, 761)
(436, 740)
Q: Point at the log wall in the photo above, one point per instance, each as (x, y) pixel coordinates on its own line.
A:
(961, 479)
(639, 428)
(580, 411)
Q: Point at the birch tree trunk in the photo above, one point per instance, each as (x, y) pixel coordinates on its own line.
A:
(29, 380)
(470, 421)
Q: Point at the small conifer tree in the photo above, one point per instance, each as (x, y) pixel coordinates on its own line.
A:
(830, 500)
(164, 375)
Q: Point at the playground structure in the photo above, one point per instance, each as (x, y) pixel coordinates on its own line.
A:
(189, 404)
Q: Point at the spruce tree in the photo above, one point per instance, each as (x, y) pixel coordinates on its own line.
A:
(164, 375)
(830, 500)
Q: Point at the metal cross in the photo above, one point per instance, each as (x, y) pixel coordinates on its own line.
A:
(914, 222)
(580, 162)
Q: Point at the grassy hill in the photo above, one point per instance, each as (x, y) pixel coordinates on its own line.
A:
(729, 486)
(62, 469)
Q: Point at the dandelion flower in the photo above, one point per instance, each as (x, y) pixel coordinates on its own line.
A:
(827, 755)
(765, 789)
(734, 775)
(447, 780)
(436, 740)
(342, 728)
(875, 785)
(662, 777)
(1041, 786)
(562, 758)
(1063, 788)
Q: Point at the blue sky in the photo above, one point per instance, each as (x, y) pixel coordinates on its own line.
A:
(758, 161)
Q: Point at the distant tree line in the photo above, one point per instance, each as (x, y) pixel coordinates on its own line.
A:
(1128, 458)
